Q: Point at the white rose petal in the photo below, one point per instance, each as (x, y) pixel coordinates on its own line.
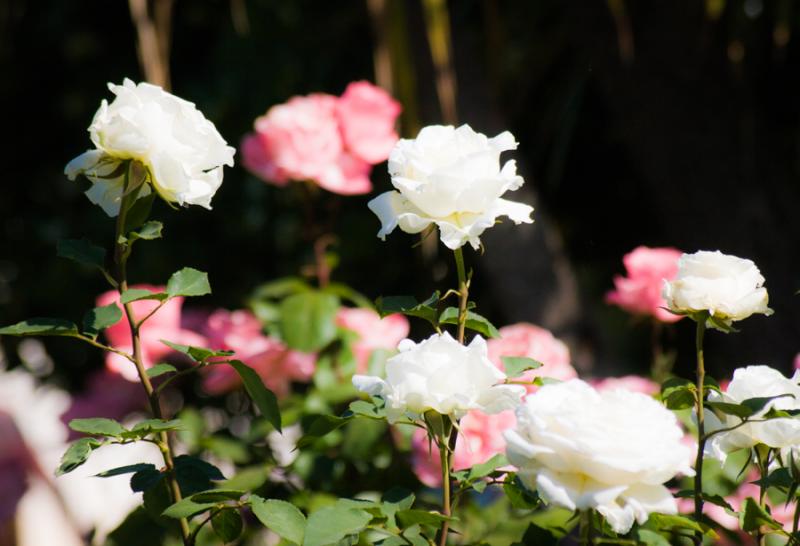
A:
(727, 287)
(452, 178)
(756, 382)
(442, 375)
(181, 150)
(610, 451)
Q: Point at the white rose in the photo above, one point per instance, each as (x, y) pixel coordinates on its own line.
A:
(181, 150)
(442, 375)
(756, 382)
(729, 288)
(609, 450)
(452, 178)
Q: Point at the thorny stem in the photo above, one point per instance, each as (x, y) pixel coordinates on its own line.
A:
(586, 528)
(121, 258)
(701, 438)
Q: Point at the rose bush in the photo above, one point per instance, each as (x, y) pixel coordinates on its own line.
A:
(727, 287)
(451, 178)
(442, 375)
(608, 451)
(181, 150)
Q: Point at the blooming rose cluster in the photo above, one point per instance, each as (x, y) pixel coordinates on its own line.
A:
(640, 291)
(181, 151)
(331, 141)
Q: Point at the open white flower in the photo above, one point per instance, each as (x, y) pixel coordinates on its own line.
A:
(727, 287)
(442, 375)
(609, 450)
(452, 178)
(756, 382)
(180, 149)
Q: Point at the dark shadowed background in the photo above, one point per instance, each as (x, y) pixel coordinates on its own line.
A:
(657, 123)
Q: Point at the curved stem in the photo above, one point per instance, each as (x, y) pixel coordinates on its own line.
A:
(121, 258)
(701, 438)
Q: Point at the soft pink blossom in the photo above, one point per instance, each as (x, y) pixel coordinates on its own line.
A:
(165, 324)
(240, 331)
(797, 362)
(531, 341)
(328, 140)
(107, 394)
(15, 464)
(373, 332)
(480, 438)
(635, 383)
(367, 117)
(640, 291)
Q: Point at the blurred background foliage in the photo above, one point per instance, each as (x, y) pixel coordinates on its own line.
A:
(656, 123)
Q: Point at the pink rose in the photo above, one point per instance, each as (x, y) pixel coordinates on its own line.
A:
(164, 324)
(373, 332)
(276, 364)
(797, 362)
(330, 141)
(640, 291)
(532, 341)
(15, 464)
(367, 117)
(635, 383)
(480, 438)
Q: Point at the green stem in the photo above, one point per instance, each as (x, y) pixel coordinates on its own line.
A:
(121, 253)
(586, 528)
(444, 458)
(463, 292)
(701, 438)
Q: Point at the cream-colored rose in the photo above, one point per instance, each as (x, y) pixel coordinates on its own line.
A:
(609, 450)
(181, 150)
(756, 382)
(727, 287)
(452, 178)
(442, 375)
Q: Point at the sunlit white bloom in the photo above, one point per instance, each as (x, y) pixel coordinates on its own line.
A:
(610, 451)
(181, 150)
(442, 375)
(452, 178)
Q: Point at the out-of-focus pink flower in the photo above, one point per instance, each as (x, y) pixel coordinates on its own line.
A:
(107, 394)
(640, 291)
(532, 341)
(328, 140)
(367, 117)
(374, 332)
(797, 362)
(480, 438)
(635, 383)
(164, 324)
(276, 364)
(15, 464)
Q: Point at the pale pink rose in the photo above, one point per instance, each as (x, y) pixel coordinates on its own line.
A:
(373, 332)
(164, 324)
(797, 362)
(640, 291)
(534, 342)
(276, 364)
(300, 140)
(635, 383)
(367, 116)
(15, 464)
(480, 438)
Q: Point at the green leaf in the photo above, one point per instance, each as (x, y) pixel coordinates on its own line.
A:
(307, 320)
(371, 410)
(753, 516)
(475, 322)
(148, 426)
(198, 354)
(227, 524)
(680, 397)
(726, 408)
(331, 524)
(218, 495)
(149, 231)
(101, 318)
(650, 538)
(99, 426)
(759, 403)
(139, 211)
(263, 398)
(669, 522)
(280, 288)
(320, 426)
(195, 475)
(348, 294)
(77, 454)
(713, 499)
(283, 518)
(41, 327)
(127, 469)
(409, 306)
(160, 369)
(517, 365)
(484, 469)
(82, 251)
(186, 508)
(410, 517)
(188, 282)
(136, 294)
(145, 479)
(519, 496)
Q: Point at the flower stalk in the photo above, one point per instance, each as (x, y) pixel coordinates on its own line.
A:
(701, 436)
